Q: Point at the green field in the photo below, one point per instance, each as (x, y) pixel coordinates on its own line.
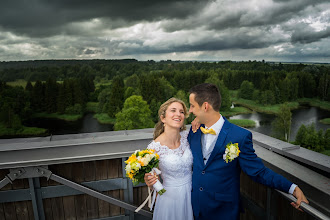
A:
(245, 123)
(268, 109)
(23, 82)
(92, 107)
(24, 131)
(103, 83)
(325, 121)
(233, 93)
(64, 117)
(235, 111)
(19, 82)
(316, 103)
(104, 118)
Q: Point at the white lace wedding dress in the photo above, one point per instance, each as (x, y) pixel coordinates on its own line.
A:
(176, 167)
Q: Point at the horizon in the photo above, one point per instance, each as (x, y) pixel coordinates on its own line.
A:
(168, 60)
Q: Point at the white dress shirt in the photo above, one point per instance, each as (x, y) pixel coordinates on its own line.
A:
(209, 140)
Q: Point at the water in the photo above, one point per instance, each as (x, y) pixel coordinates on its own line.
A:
(87, 124)
(305, 115)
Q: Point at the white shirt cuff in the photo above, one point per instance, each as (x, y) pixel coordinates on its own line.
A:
(293, 186)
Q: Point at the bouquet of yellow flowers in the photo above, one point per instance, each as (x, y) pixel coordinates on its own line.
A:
(140, 163)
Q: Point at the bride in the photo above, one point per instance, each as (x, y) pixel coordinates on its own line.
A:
(175, 162)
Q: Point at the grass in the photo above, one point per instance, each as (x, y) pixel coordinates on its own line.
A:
(64, 117)
(33, 131)
(23, 82)
(23, 131)
(233, 93)
(245, 123)
(268, 109)
(316, 103)
(326, 152)
(19, 82)
(104, 118)
(236, 111)
(325, 121)
(92, 107)
(103, 83)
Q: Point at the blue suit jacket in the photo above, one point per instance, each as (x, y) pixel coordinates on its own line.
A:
(216, 185)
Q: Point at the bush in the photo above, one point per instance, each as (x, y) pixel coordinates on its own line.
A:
(309, 138)
(246, 90)
(74, 110)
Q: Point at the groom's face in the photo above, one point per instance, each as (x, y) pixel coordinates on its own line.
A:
(195, 108)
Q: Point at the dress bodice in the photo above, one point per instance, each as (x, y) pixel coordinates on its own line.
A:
(175, 164)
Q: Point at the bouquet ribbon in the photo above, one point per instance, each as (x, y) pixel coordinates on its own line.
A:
(158, 186)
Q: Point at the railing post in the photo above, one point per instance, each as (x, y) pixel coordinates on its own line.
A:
(36, 198)
(128, 192)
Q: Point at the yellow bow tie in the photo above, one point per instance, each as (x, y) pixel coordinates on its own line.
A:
(208, 131)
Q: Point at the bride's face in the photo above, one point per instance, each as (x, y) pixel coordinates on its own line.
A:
(174, 115)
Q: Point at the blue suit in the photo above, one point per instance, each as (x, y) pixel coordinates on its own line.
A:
(216, 185)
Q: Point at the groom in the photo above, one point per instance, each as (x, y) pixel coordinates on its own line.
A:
(216, 182)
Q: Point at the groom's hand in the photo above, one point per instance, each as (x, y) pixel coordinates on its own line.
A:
(195, 125)
(150, 179)
(300, 198)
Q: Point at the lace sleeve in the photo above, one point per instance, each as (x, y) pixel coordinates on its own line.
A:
(152, 146)
(159, 149)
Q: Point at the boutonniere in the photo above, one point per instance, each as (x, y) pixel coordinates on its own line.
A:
(232, 151)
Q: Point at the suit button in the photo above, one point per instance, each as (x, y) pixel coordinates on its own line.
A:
(201, 189)
(203, 172)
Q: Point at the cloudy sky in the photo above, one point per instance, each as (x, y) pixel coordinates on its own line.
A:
(274, 30)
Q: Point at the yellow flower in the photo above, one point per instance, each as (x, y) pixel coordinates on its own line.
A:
(141, 163)
(131, 159)
(130, 175)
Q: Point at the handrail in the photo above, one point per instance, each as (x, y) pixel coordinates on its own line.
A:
(31, 172)
(305, 207)
(17, 153)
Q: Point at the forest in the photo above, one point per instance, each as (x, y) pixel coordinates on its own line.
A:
(129, 92)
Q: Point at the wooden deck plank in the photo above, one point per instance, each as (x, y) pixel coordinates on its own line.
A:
(102, 174)
(68, 201)
(80, 200)
(91, 202)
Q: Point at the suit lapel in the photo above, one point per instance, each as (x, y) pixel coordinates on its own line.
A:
(197, 144)
(220, 141)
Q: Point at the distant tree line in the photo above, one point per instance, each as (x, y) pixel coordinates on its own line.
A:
(69, 96)
(65, 86)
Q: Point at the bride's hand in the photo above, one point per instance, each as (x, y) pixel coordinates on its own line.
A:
(195, 125)
(150, 179)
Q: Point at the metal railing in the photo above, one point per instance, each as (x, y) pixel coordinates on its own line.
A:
(305, 207)
(30, 156)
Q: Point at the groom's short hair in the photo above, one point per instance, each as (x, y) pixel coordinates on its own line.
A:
(207, 92)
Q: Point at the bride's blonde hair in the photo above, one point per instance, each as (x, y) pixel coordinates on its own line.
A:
(159, 127)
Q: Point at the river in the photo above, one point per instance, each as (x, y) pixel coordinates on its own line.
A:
(303, 115)
(87, 124)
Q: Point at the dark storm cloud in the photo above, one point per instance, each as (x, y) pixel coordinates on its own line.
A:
(237, 15)
(304, 34)
(40, 29)
(46, 18)
(233, 39)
